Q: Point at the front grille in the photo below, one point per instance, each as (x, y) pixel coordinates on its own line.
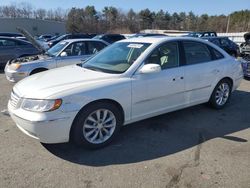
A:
(14, 99)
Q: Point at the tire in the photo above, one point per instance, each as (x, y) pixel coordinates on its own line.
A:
(37, 71)
(92, 132)
(221, 94)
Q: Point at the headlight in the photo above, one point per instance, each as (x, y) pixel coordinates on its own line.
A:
(15, 66)
(41, 105)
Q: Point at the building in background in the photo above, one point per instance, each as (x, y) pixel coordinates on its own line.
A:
(33, 26)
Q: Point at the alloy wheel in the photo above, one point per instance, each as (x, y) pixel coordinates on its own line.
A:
(99, 126)
(222, 94)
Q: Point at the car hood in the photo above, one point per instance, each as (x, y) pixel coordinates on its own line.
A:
(53, 83)
(29, 37)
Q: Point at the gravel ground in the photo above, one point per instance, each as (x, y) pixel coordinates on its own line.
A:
(195, 147)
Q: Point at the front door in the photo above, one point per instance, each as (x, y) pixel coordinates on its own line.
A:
(157, 93)
(73, 54)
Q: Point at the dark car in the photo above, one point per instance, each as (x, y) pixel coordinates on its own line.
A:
(202, 34)
(11, 48)
(110, 38)
(245, 62)
(67, 36)
(226, 44)
(245, 46)
(9, 34)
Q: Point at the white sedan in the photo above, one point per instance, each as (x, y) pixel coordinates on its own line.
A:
(131, 80)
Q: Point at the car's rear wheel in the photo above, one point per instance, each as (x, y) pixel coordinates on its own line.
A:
(96, 125)
(221, 94)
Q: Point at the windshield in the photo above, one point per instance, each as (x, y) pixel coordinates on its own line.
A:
(57, 48)
(116, 58)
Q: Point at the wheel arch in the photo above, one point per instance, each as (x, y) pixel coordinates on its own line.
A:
(229, 79)
(107, 101)
(224, 78)
(38, 69)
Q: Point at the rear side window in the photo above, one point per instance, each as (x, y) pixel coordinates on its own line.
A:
(6, 42)
(21, 43)
(196, 52)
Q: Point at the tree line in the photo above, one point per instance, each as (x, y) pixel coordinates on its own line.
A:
(114, 20)
(26, 10)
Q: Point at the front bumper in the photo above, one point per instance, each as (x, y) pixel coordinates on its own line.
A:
(13, 75)
(50, 127)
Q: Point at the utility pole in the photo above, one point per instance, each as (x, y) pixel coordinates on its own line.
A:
(228, 22)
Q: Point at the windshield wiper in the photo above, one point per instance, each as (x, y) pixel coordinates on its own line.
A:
(102, 70)
(94, 68)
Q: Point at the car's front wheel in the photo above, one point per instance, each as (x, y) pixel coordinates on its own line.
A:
(221, 94)
(96, 125)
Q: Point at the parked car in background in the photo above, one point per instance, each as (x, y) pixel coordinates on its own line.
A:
(245, 61)
(110, 38)
(148, 35)
(226, 44)
(202, 34)
(10, 34)
(130, 80)
(45, 37)
(245, 46)
(11, 48)
(67, 36)
(67, 52)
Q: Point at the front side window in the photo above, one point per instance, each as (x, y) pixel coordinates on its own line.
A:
(167, 56)
(196, 52)
(5, 42)
(75, 49)
(116, 58)
(57, 48)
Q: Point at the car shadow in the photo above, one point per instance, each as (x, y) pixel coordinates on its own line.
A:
(164, 135)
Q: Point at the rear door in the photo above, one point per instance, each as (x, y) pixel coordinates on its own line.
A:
(202, 69)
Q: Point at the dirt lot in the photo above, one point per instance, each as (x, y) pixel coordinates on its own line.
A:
(195, 147)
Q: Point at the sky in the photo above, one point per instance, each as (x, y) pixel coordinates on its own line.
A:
(210, 7)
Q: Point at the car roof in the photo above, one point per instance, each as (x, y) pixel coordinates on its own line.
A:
(158, 39)
(13, 38)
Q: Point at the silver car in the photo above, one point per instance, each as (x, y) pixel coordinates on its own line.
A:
(67, 52)
(11, 48)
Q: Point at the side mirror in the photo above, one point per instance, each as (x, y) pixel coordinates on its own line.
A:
(150, 68)
(63, 54)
